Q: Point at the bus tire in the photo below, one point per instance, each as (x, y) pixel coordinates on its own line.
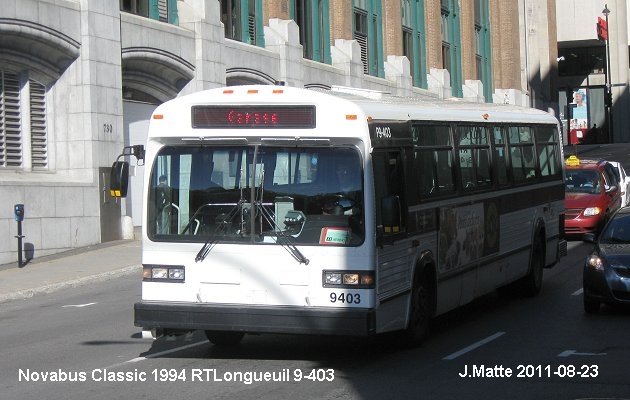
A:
(531, 284)
(421, 310)
(223, 338)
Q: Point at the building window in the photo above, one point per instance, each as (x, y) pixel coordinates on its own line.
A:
(23, 134)
(138, 7)
(311, 16)
(368, 33)
(231, 19)
(160, 10)
(483, 55)
(360, 35)
(407, 43)
(478, 39)
(242, 21)
(582, 61)
(451, 52)
(446, 44)
(412, 13)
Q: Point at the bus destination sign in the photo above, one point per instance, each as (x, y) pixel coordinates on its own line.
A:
(253, 117)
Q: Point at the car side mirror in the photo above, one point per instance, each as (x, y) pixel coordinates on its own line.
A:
(612, 188)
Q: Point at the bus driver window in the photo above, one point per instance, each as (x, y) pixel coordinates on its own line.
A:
(345, 188)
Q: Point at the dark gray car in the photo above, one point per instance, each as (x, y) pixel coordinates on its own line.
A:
(607, 268)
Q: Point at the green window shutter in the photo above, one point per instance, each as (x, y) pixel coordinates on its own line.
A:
(325, 31)
(154, 10)
(173, 16)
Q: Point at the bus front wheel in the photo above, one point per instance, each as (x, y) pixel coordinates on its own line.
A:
(222, 338)
(420, 313)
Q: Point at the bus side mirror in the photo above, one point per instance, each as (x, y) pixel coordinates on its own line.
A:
(390, 213)
(118, 179)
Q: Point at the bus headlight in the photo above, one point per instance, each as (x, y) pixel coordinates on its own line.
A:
(163, 273)
(349, 279)
(176, 273)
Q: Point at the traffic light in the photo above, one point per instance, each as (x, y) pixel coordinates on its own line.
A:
(608, 99)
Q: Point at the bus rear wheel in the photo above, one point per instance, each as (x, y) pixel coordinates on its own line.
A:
(223, 338)
(531, 284)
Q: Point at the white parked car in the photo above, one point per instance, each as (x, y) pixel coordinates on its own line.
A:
(624, 182)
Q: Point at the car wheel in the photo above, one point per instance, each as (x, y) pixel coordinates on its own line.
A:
(591, 306)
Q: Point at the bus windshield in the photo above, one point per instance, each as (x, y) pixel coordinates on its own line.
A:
(260, 194)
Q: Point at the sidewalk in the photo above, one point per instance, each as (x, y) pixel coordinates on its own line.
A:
(72, 268)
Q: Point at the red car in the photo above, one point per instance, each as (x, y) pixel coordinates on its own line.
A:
(592, 195)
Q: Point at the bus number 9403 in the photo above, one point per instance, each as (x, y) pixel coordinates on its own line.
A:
(347, 298)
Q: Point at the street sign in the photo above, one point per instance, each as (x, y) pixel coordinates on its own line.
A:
(602, 29)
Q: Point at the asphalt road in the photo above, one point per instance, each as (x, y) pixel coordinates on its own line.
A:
(81, 343)
(85, 337)
(613, 152)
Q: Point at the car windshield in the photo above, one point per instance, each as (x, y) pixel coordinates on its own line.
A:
(617, 230)
(582, 181)
(257, 194)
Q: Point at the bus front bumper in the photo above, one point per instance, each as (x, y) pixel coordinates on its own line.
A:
(255, 319)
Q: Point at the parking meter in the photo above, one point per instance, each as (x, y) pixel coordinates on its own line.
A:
(19, 212)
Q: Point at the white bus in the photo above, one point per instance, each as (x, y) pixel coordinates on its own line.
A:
(271, 209)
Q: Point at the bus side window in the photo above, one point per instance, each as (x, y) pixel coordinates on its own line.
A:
(500, 157)
(483, 168)
(522, 153)
(548, 152)
(424, 172)
(445, 171)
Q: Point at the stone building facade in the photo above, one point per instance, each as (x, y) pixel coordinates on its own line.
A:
(79, 79)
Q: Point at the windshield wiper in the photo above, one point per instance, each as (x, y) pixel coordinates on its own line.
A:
(219, 230)
(256, 208)
(283, 239)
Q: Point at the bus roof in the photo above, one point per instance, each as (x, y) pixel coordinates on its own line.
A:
(382, 105)
(364, 104)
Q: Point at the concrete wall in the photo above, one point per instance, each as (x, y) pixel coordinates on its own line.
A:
(91, 54)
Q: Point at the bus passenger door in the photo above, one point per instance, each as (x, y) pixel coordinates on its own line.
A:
(390, 198)
(393, 249)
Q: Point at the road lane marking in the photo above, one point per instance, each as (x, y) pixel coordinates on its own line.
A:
(474, 346)
(578, 292)
(568, 353)
(158, 354)
(78, 305)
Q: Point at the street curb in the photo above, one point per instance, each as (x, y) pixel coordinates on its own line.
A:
(53, 287)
